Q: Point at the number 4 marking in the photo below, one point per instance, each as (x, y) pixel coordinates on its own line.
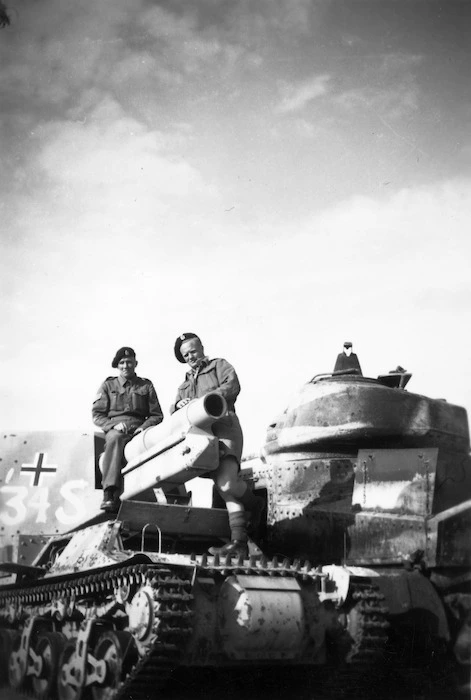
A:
(40, 501)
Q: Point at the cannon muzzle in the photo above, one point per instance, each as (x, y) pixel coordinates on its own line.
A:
(181, 447)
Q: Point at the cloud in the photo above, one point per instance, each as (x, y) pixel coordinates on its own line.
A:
(130, 131)
(65, 52)
(59, 48)
(107, 172)
(392, 103)
(285, 21)
(413, 240)
(296, 97)
(117, 152)
(388, 88)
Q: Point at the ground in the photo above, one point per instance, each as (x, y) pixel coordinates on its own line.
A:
(273, 685)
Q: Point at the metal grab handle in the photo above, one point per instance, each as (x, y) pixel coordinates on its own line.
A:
(144, 532)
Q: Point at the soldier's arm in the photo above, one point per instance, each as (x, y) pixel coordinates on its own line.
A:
(229, 385)
(101, 407)
(178, 398)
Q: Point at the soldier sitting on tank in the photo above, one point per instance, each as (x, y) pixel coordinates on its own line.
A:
(124, 406)
(205, 375)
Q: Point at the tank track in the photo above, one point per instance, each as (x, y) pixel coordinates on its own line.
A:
(361, 639)
(371, 628)
(171, 627)
(171, 586)
(172, 613)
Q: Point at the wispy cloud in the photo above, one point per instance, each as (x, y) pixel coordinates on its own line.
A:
(389, 87)
(296, 97)
(393, 103)
(116, 151)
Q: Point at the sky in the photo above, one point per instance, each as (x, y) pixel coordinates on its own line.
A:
(277, 176)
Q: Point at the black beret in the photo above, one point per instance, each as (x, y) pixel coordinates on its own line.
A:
(122, 352)
(179, 342)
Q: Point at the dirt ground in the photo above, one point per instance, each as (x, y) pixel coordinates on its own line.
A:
(276, 685)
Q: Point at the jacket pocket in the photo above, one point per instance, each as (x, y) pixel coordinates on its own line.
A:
(140, 401)
(115, 402)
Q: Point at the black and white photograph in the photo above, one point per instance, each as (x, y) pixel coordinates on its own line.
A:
(235, 240)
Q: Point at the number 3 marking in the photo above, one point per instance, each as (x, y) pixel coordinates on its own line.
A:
(17, 503)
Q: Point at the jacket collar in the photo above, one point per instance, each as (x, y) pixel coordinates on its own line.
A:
(205, 361)
(123, 381)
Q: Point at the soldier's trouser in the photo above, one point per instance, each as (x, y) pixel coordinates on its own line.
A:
(113, 458)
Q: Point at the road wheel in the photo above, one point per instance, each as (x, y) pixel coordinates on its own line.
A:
(117, 650)
(68, 686)
(49, 647)
(7, 642)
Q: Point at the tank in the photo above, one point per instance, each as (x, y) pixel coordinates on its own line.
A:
(110, 607)
(360, 472)
(361, 560)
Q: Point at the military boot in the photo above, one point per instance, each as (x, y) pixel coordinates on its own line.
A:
(111, 500)
(238, 544)
(234, 547)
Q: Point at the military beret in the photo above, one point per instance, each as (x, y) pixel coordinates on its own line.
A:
(179, 342)
(122, 352)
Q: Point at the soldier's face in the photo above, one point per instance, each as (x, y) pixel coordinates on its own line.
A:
(192, 352)
(127, 367)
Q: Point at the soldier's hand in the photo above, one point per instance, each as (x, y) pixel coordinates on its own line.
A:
(121, 427)
(182, 402)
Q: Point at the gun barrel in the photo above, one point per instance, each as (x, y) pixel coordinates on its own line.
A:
(200, 413)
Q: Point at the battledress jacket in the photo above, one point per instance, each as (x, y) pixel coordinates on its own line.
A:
(219, 376)
(131, 401)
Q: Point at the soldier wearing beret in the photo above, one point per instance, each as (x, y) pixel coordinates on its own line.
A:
(124, 406)
(205, 375)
